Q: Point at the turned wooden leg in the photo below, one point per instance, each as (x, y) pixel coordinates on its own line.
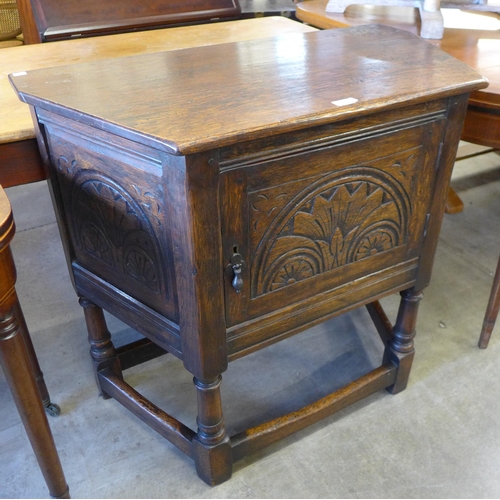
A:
(491, 311)
(51, 408)
(211, 446)
(17, 366)
(400, 349)
(454, 203)
(102, 350)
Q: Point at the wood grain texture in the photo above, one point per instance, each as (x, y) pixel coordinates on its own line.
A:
(175, 173)
(206, 96)
(380, 320)
(61, 20)
(20, 366)
(16, 123)
(163, 423)
(28, 25)
(263, 435)
(7, 227)
(464, 38)
(21, 163)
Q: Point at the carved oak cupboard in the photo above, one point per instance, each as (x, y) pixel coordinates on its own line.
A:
(222, 198)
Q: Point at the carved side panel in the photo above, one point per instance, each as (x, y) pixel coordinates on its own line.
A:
(302, 231)
(110, 226)
(112, 201)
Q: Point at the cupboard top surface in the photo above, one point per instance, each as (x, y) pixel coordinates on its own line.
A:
(191, 100)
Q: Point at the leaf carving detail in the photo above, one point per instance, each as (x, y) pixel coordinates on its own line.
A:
(112, 228)
(327, 227)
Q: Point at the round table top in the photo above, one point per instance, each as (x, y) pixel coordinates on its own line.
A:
(6, 221)
(472, 37)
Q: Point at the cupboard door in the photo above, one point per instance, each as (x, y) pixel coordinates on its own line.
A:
(315, 220)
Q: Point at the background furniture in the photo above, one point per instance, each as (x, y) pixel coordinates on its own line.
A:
(18, 360)
(249, 9)
(465, 38)
(313, 182)
(492, 309)
(431, 17)
(10, 26)
(49, 20)
(21, 161)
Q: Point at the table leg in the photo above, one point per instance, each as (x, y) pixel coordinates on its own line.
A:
(211, 445)
(51, 408)
(491, 311)
(16, 364)
(102, 350)
(400, 349)
(454, 203)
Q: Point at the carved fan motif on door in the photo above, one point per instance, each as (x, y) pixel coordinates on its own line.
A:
(335, 221)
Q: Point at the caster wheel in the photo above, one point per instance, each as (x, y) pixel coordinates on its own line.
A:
(53, 410)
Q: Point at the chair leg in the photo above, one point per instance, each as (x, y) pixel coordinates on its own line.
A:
(51, 408)
(17, 366)
(491, 310)
(211, 446)
(400, 349)
(102, 350)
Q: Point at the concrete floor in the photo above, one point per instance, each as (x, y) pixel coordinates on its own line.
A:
(438, 439)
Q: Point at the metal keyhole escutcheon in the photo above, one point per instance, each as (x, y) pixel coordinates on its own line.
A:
(235, 268)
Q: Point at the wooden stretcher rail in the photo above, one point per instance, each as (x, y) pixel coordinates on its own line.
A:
(253, 438)
(163, 423)
(138, 352)
(380, 320)
(263, 435)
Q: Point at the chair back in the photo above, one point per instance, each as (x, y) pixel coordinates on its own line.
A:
(63, 19)
(10, 25)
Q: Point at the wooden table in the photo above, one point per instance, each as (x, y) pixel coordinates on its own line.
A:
(220, 199)
(464, 38)
(20, 158)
